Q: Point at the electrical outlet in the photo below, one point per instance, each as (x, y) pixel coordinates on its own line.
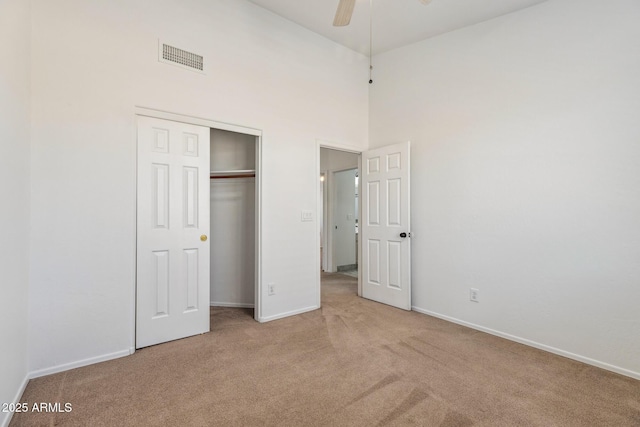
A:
(271, 288)
(474, 295)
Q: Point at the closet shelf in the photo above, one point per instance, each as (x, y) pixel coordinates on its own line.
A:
(233, 171)
(237, 173)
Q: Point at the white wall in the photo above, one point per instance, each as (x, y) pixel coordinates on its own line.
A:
(525, 174)
(92, 63)
(336, 160)
(14, 195)
(233, 242)
(233, 216)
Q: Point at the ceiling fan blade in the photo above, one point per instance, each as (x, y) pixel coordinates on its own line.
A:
(344, 12)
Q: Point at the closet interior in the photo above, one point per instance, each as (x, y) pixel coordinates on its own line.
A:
(233, 218)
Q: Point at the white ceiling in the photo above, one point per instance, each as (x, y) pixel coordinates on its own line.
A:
(395, 22)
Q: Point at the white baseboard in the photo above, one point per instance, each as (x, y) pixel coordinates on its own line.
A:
(79, 363)
(5, 418)
(287, 314)
(559, 352)
(231, 304)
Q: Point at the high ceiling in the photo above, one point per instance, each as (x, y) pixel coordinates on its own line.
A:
(395, 22)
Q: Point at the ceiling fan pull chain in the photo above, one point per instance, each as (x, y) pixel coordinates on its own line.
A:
(370, 41)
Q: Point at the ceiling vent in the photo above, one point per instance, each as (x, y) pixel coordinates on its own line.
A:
(182, 58)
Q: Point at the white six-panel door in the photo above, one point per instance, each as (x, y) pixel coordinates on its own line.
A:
(386, 254)
(172, 231)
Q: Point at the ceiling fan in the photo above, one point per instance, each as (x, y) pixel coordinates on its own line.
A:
(345, 10)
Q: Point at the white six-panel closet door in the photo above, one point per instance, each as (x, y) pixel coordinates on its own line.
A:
(172, 231)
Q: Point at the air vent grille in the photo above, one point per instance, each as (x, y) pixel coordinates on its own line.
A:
(182, 57)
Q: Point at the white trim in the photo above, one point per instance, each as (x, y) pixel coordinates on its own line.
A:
(288, 313)
(5, 422)
(559, 352)
(359, 260)
(319, 229)
(257, 312)
(134, 255)
(79, 363)
(166, 115)
(339, 146)
(231, 304)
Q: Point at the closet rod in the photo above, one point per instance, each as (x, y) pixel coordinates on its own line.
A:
(248, 175)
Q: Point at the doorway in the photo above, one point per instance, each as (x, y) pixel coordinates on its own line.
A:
(232, 219)
(339, 211)
(384, 221)
(344, 203)
(187, 169)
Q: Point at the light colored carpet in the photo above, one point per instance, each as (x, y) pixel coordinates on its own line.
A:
(352, 363)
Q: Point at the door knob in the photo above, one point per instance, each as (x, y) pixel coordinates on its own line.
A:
(203, 237)
(403, 234)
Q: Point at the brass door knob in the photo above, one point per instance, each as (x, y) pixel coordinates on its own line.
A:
(203, 237)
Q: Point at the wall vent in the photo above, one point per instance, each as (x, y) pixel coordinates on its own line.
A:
(173, 55)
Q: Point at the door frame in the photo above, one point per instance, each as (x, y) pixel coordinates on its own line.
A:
(349, 149)
(329, 212)
(176, 117)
